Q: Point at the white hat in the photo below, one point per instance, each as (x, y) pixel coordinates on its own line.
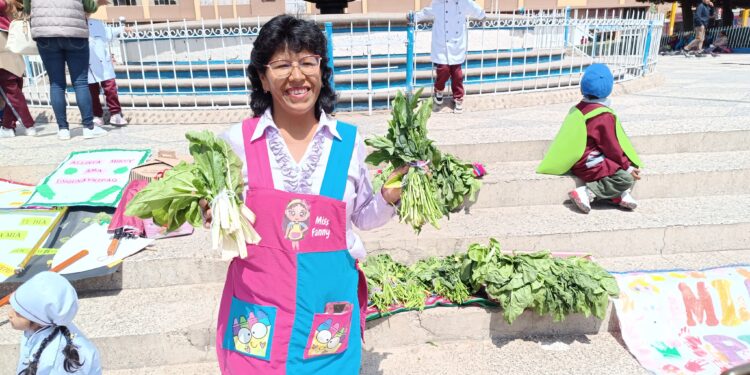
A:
(46, 299)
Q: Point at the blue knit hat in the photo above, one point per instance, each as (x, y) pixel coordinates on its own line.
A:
(597, 81)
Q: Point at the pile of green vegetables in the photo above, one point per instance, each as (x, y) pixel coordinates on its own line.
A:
(216, 176)
(436, 184)
(520, 281)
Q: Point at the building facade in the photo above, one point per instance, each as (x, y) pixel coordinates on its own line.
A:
(174, 10)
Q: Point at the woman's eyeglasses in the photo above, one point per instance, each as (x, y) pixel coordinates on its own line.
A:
(308, 65)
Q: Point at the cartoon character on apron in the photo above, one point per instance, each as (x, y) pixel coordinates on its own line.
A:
(296, 223)
(295, 304)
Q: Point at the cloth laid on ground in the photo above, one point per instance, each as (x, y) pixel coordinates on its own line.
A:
(430, 302)
(14, 194)
(686, 322)
(20, 231)
(88, 178)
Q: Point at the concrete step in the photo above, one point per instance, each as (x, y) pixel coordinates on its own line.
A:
(559, 355)
(515, 184)
(136, 328)
(658, 226)
(148, 329)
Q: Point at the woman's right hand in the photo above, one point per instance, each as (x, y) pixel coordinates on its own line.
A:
(206, 210)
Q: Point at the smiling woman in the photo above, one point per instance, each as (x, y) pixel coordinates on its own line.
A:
(307, 179)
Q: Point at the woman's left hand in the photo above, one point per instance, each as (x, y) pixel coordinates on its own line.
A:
(393, 195)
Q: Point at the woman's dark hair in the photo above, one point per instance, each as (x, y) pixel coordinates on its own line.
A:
(296, 35)
(72, 359)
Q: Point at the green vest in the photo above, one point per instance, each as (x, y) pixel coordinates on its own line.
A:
(568, 146)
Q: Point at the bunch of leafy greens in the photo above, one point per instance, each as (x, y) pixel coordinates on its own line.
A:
(435, 184)
(216, 176)
(538, 281)
(392, 284)
(444, 276)
(455, 182)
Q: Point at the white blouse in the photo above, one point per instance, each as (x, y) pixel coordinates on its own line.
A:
(363, 208)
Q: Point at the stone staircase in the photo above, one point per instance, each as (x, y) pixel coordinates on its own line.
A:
(157, 314)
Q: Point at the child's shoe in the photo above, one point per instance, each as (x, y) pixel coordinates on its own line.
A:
(459, 106)
(7, 132)
(626, 201)
(31, 132)
(437, 98)
(118, 120)
(98, 121)
(582, 198)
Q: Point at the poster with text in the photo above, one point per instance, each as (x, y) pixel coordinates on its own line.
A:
(14, 194)
(88, 178)
(20, 231)
(686, 322)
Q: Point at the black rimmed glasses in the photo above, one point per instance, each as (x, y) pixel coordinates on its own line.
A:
(308, 65)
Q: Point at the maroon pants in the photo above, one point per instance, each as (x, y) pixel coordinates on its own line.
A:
(443, 72)
(110, 93)
(12, 89)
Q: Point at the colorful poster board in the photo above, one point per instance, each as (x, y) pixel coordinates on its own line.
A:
(88, 178)
(14, 194)
(96, 240)
(20, 231)
(686, 322)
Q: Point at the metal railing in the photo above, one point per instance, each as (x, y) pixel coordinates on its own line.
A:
(739, 38)
(193, 64)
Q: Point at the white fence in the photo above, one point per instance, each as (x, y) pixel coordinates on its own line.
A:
(202, 64)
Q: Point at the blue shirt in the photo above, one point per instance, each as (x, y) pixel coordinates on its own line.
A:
(52, 359)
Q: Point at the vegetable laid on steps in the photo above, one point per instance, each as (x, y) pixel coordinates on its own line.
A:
(216, 176)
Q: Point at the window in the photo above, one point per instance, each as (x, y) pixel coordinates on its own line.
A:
(124, 2)
(165, 2)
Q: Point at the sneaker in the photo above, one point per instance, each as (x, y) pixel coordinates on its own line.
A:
(94, 132)
(459, 106)
(63, 134)
(582, 199)
(438, 97)
(627, 201)
(31, 132)
(7, 132)
(118, 120)
(699, 54)
(98, 121)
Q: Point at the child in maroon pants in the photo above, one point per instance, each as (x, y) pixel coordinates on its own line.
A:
(102, 73)
(593, 146)
(449, 44)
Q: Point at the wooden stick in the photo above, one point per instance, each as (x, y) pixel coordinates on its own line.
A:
(39, 243)
(59, 268)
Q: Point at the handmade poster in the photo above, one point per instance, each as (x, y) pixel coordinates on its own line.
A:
(96, 239)
(686, 322)
(20, 231)
(14, 194)
(88, 178)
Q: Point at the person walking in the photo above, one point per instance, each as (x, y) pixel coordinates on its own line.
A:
(61, 32)
(14, 107)
(700, 22)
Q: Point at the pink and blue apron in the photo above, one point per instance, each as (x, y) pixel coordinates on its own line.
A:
(294, 305)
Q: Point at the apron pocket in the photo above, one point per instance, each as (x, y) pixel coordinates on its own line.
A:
(329, 333)
(250, 329)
